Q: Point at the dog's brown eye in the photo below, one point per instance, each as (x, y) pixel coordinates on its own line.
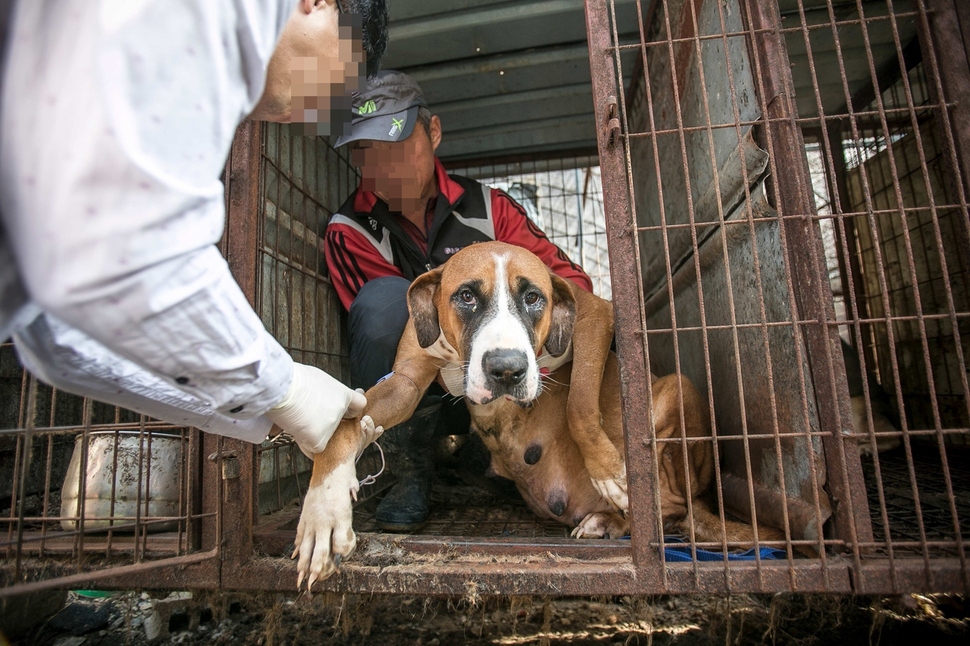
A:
(466, 296)
(531, 298)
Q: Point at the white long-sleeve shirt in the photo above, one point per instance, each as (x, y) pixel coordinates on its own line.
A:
(117, 119)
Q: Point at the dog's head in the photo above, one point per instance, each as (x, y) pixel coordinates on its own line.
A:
(497, 307)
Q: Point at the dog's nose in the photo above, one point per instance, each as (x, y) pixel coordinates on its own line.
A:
(505, 366)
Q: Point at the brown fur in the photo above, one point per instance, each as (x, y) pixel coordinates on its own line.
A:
(576, 420)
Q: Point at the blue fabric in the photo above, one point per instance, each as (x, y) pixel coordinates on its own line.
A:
(680, 553)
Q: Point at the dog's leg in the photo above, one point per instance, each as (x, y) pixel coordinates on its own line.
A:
(676, 485)
(592, 336)
(325, 533)
(681, 417)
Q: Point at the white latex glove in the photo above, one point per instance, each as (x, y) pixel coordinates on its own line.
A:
(313, 407)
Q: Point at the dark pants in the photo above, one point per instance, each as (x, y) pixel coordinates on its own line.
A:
(377, 319)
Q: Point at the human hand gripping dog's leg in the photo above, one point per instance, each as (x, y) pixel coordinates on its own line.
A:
(313, 407)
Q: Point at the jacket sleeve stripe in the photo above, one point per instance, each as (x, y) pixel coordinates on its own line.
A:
(339, 253)
(359, 276)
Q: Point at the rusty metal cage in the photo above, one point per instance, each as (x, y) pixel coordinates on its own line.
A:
(784, 195)
(713, 202)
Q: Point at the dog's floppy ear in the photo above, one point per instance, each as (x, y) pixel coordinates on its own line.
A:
(563, 316)
(424, 311)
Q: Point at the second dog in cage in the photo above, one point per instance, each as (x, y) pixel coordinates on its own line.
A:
(521, 343)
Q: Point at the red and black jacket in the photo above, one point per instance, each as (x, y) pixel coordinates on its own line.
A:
(364, 240)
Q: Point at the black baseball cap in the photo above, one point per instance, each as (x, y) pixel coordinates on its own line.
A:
(385, 110)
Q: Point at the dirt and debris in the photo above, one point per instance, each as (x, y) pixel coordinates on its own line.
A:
(277, 620)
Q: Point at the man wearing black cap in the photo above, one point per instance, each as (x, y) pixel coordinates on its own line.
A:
(408, 216)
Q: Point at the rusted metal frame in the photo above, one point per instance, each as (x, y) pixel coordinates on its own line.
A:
(805, 275)
(891, 71)
(883, 286)
(773, 576)
(944, 27)
(848, 254)
(763, 325)
(76, 428)
(194, 466)
(453, 164)
(114, 481)
(705, 99)
(826, 141)
(765, 99)
(18, 497)
(539, 577)
(56, 542)
(648, 466)
(794, 198)
(546, 577)
(21, 416)
(853, 290)
(140, 546)
(238, 500)
(781, 30)
(910, 576)
(767, 116)
(669, 270)
(276, 539)
(48, 464)
(912, 268)
(946, 126)
(624, 256)
(850, 106)
(894, 115)
(86, 414)
(777, 324)
(851, 273)
(736, 223)
(183, 572)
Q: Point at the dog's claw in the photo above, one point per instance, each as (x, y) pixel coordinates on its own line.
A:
(325, 535)
(601, 525)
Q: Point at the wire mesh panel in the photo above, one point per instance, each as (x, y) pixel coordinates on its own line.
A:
(86, 487)
(303, 181)
(792, 169)
(564, 198)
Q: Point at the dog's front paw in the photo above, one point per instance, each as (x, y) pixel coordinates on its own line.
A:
(608, 524)
(611, 484)
(325, 535)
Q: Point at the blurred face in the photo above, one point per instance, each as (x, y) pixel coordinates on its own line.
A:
(401, 173)
(316, 66)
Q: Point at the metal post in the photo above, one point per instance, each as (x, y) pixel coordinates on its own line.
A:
(793, 197)
(627, 295)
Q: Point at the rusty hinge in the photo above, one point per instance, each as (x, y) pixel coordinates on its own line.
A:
(612, 121)
(230, 464)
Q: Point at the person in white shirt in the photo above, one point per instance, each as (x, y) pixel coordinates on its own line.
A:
(115, 124)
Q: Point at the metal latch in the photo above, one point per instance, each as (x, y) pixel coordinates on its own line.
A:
(230, 464)
(613, 121)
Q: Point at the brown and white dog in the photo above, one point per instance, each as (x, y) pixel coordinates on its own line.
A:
(530, 351)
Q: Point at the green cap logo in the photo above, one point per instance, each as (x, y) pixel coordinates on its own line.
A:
(368, 107)
(396, 127)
